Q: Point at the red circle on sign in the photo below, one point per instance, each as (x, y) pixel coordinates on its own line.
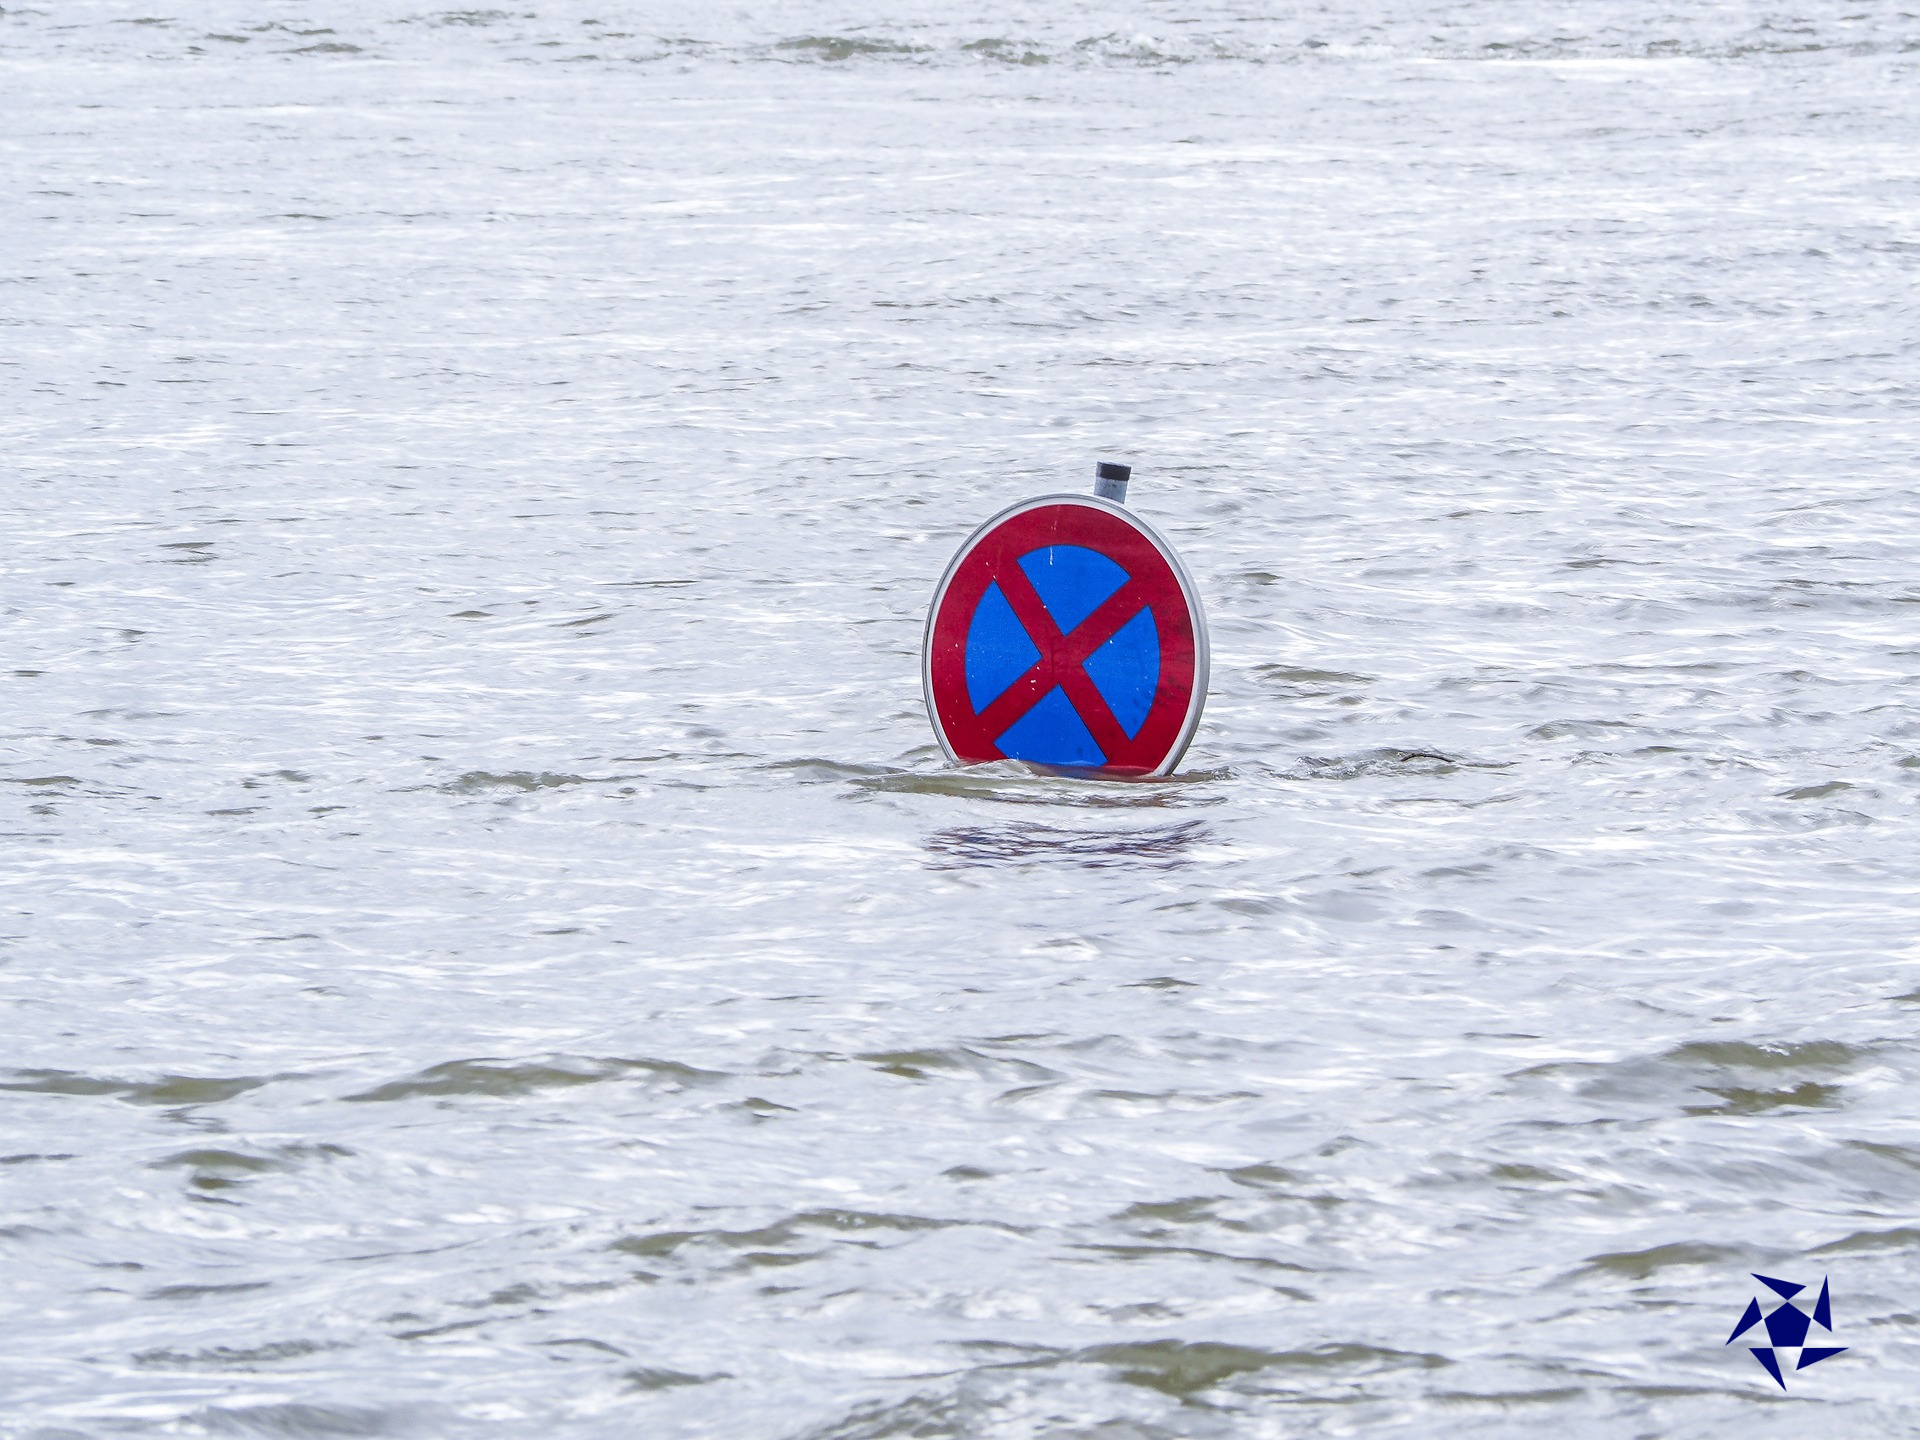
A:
(1154, 583)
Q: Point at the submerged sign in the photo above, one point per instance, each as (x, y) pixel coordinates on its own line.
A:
(1066, 632)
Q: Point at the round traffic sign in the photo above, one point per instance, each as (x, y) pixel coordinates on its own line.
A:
(1066, 632)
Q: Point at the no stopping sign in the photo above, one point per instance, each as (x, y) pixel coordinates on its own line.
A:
(1066, 632)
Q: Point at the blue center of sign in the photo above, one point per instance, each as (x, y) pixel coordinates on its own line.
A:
(1051, 733)
(1126, 671)
(1072, 582)
(999, 651)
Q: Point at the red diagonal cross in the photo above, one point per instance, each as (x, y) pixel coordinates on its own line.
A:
(1061, 658)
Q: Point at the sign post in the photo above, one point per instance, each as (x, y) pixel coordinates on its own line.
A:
(1067, 633)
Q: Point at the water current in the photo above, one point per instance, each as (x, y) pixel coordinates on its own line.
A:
(490, 944)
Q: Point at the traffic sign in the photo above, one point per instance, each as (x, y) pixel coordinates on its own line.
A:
(1066, 632)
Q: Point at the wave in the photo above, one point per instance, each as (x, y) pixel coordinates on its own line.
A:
(992, 35)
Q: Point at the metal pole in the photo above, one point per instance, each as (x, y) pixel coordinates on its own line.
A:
(1110, 481)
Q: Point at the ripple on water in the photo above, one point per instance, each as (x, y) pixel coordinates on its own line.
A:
(180, 1090)
(222, 1357)
(1182, 1368)
(300, 1421)
(646, 1379)
(1013, 782)
(1645, 1264)
(505, 1079)
(797, 1239)
(1748, 1078)
(215, 1170)
(1162, 847)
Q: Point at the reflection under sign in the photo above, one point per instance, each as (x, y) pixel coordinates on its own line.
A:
(1161, 847)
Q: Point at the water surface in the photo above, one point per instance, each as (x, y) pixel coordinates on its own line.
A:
(492, 948)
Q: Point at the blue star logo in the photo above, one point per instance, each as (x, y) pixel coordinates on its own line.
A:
(1787, 1326)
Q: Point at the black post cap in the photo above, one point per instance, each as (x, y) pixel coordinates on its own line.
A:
(1112, 470)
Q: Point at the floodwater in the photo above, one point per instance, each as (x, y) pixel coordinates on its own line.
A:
(491, 948)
